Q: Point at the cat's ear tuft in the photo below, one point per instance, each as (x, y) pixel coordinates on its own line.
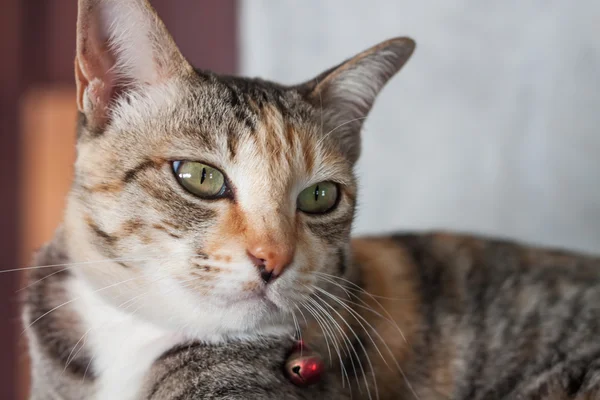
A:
(347, 92)
(120, 43)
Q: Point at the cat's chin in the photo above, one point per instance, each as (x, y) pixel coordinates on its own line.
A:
(234, 317)
(268, 331)
(275, 324)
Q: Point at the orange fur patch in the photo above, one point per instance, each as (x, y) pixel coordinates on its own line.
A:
(131, 226)
(112, 187)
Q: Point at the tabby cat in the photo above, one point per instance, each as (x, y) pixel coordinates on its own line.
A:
(209, 224)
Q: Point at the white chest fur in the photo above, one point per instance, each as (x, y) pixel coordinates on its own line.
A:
(123, 347)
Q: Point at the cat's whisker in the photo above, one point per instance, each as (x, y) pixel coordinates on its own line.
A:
(363, 373)
(372, 296)
(360, 364)
(71, 265)
(326, 323)
(348, 346)
(48, 312)
(74, 356)
(365, 306)
(318, 319)
(302, 315)
(184, 256)
(337, 347)
(359, 342)
(296, 326)
(317, 297)
(40, 280)
(356, 287)
(341, 331)
(133, 299)
(101, 261)
(87, 367)
(354, 314)
(74, 299)
(358, 318)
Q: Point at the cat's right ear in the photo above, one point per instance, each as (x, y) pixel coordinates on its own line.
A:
(345, 94)
(121, 44)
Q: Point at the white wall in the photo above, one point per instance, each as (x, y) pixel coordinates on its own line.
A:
(493, 126)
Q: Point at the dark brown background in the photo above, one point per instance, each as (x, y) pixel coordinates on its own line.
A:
(37, 45)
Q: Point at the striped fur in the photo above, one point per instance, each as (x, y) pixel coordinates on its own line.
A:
(473, 318)
(147, 291)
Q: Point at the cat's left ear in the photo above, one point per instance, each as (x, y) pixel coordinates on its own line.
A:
(120, 44)
(347, 92)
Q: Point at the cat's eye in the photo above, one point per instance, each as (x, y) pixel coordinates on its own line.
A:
(318, 198)
(200, 179)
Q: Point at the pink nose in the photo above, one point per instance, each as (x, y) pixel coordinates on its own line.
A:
(270, 260)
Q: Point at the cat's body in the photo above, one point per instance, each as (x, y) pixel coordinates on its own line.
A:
(218, 210)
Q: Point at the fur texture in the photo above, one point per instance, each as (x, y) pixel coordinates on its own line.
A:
(149, 291)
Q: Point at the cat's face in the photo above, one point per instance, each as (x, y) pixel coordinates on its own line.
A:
(223, 201)
(139, 195)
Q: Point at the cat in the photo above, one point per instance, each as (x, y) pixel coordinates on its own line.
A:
(208, 227)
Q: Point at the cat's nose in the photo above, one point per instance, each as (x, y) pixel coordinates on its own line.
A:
(270, 261)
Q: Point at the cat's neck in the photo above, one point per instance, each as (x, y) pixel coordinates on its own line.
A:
(124, 347)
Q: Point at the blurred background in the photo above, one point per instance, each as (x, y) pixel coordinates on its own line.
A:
(491, 127)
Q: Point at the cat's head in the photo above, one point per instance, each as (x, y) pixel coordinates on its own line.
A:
(223, 201)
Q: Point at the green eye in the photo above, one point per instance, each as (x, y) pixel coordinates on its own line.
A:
(319, 198)
(200, 179)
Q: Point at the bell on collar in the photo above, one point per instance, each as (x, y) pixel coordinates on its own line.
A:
(303, 366)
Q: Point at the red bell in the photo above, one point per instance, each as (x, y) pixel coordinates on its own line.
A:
(304, 367)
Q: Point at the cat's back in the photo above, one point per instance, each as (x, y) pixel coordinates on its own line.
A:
(489, 318)
(462, 265)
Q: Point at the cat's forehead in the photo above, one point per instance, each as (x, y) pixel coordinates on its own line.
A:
(208, 107)
(248, 102)
(226, 121)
